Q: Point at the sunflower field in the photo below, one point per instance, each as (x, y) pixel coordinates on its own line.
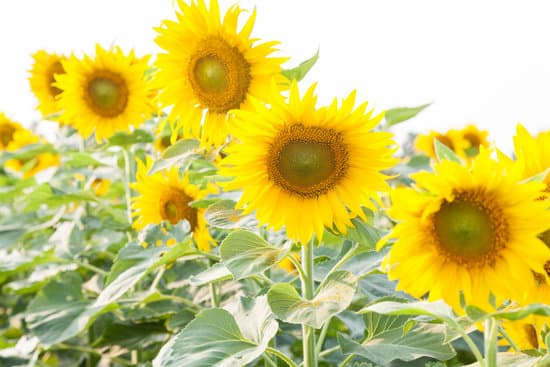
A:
(200, 208)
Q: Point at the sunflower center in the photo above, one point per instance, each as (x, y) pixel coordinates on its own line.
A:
(471, 228)
(219, 75)
(307, 161)
(107, 94)
(6, 134)
(174, 207)
(531, 335)
(55, 68)
(473, 139)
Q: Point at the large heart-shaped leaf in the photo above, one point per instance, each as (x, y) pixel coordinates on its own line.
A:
(388, 340)
(245, 253)
(217, 339)
(334, 296)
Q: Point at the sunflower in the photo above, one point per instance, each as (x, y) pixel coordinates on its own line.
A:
(7, 130)
(29, 167)
(470, 229)
(210, 65)
(532, 153)
(526, 333)
(46, 66)
(474, 138)
(425, 143)
(307, 168)
(166, 196)
(106, 94)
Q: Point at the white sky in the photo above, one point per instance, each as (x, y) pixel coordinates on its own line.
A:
(483, 62)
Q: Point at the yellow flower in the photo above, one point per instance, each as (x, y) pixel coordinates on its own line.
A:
(106, 94)
(165, 196)
(474, 138)
(287, 265)
(526, 333)
(7, 130)
(470, 229)
(307, 168)
(210, 65)
(532, 153)
(46, 66)
(425, 143)
(30, 167)
(101, 186)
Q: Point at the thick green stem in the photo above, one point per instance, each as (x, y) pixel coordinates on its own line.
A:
(470, 342)
(490, 340)
(308, 332)
(322, 337)
(281, 355)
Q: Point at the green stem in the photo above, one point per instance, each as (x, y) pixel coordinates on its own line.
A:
(346, 361)
(157, 279)
(127, 191)
(268, 362)
(91, 267)
(308, 332)
(208, 255)
(470, 342)
(322, 337)
(508, 339)
(329, 351)
(297, 266)
(188, 303)
(281, 356)
(490, 338)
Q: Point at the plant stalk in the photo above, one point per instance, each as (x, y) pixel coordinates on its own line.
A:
(308, 332)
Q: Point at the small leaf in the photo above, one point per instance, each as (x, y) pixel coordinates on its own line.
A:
(363, 233)
(124, 139)
(520, 313)
(81, 159)
(334, 296)
(245, 253)
(28, 152)
(222, 214)
(438, 310)
(215, 273)
(444, 152)
(299, 72)
(215, 339)
(394, 116)
(174, 154)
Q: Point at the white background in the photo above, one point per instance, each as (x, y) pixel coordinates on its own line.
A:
(481, 62)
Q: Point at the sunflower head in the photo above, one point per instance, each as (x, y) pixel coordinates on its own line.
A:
(306, 168)
(471, 229)
(532, 154)
(474, 139)
(211, 65)
(164, 196)
(8, 128)
(42, 79)
(29, 167)
(105, 94)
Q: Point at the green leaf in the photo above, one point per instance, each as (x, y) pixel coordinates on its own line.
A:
(174, 154)
(131, 336)
(222, 214)
(299, 72)
(245, 253)
(215, 273)
(392, 343)
(438, 310)
(217, 339)
(510, 359)
(124, 139)
(60, 311)
(394, 116)
(80, 159)
(520, 313)
(37, 279)
(334, 296)
(444, 152)
(363, 233)
(28, 152)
